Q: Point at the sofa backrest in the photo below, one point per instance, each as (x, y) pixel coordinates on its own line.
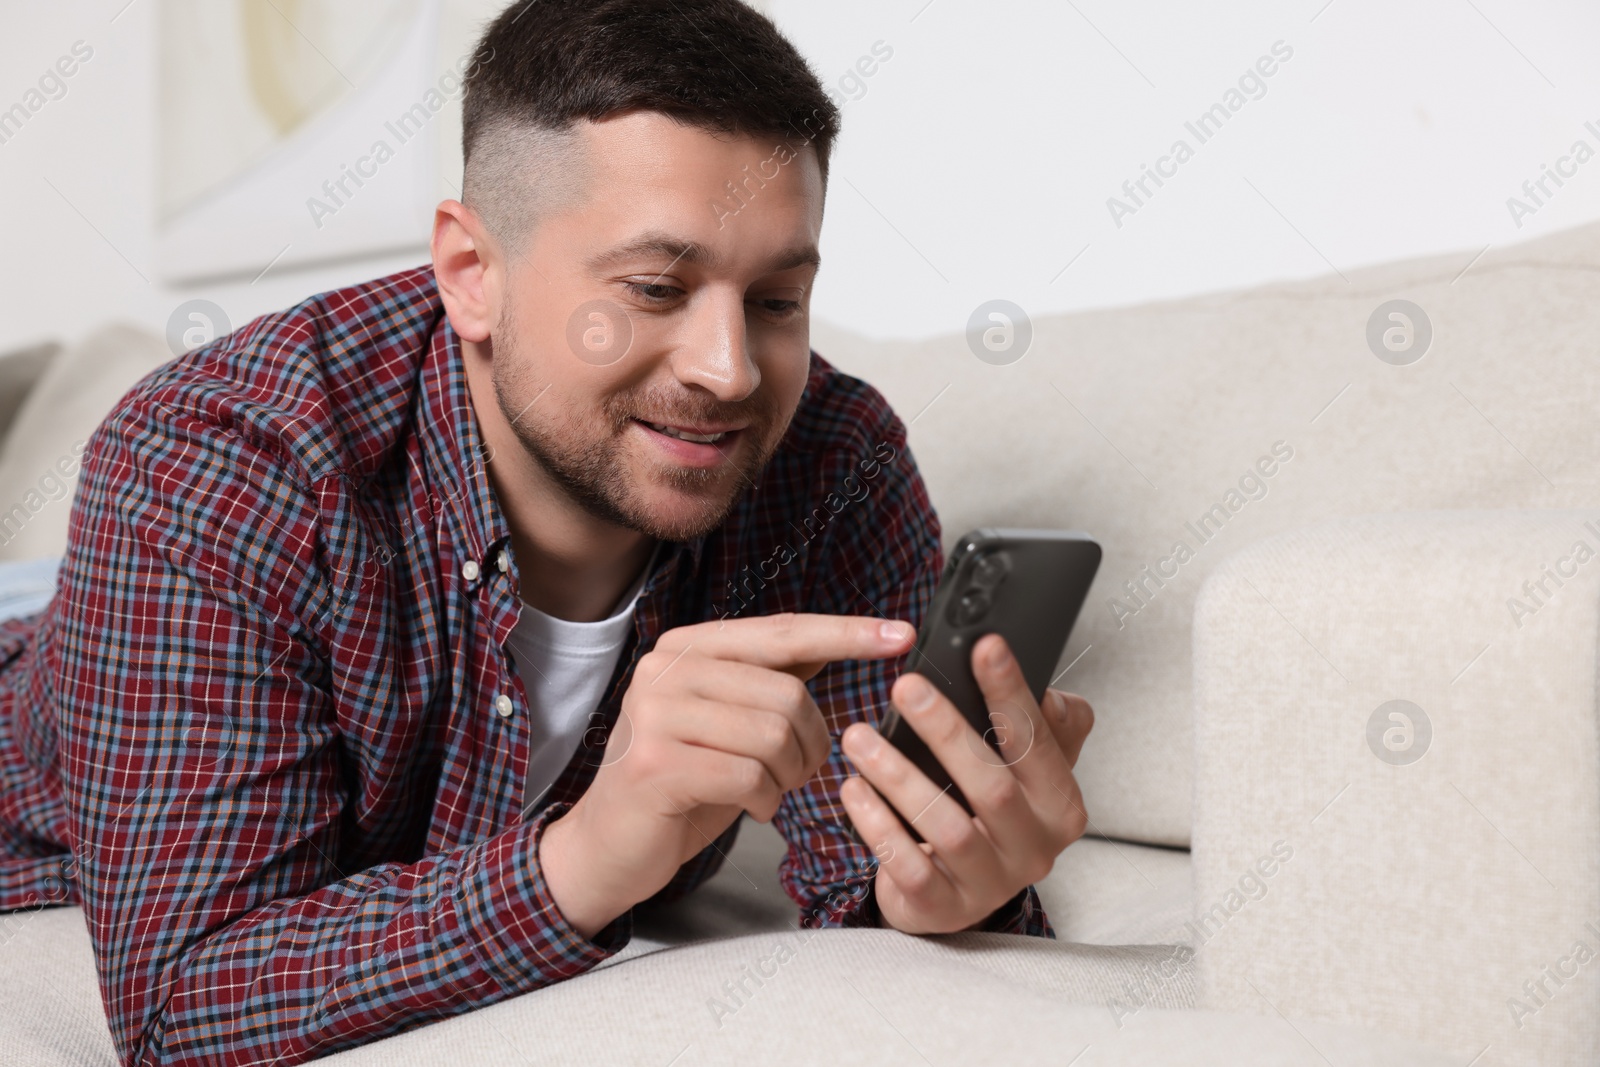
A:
(20, 371)
(1179, 432)
(41, 454)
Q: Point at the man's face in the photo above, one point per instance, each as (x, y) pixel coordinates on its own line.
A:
(658, 310)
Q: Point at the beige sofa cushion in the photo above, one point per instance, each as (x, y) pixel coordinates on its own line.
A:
(867, 997)
(1095, 891)
(1099, 893)
(40, 455)
(1431, 875)
(1115, 893)
(20, 371)
(1132, 423)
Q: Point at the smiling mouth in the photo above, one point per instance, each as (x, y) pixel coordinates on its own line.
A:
(686, 435)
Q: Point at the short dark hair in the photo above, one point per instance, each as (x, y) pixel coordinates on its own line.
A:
(716, 64)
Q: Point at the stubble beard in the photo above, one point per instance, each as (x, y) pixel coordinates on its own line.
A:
(588, 459)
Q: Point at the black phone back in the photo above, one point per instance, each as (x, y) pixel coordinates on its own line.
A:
(1026, 585)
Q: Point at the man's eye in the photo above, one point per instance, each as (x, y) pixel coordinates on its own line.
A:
(780, 309)
(652, 292)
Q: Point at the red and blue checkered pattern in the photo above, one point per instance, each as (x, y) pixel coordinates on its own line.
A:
(254, 733)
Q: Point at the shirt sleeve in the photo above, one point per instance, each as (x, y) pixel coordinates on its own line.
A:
(202, 763)
(880, 555)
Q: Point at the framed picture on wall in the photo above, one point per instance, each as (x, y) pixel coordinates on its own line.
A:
(303, 131)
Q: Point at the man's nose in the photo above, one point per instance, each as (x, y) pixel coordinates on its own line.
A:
(715, 350)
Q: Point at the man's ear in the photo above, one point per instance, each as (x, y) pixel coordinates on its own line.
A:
(468, 269)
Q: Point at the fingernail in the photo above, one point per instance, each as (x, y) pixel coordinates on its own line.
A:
(894, 632)
(1057, 704)
(999, 654)
(916, 694)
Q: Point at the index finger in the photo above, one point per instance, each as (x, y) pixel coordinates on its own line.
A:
(796, 642)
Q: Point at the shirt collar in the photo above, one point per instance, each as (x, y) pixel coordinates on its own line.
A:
(456, 458)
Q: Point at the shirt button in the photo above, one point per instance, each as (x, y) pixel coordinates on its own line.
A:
(503, 561)
(469, 571)
(502, 704)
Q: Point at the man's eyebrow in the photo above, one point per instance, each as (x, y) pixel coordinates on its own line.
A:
(677, 250)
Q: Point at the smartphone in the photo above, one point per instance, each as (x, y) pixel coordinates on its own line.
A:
(1026, 585)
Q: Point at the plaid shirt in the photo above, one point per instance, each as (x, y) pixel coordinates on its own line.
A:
(262, 732)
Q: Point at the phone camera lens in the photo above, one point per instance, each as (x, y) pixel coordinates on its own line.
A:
(990, 569)
(973, 605)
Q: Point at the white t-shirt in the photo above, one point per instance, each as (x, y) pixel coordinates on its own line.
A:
(565, 667)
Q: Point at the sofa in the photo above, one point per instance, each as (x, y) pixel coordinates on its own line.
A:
(1344, 783)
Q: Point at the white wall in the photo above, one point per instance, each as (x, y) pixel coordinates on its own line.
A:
(989, 145)
(77, 185)
(976, 164)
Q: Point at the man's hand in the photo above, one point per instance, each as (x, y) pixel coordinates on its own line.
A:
(1026, 803)
(716, 720)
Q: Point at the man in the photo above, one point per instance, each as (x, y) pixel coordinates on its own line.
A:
(407, 639)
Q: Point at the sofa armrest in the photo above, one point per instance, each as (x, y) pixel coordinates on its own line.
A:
(1431, 868)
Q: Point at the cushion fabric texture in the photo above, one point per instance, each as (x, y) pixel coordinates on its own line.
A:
(20, 371)
(1397, 807)
(40, 454)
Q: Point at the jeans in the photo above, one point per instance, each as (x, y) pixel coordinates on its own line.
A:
(26, 587)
